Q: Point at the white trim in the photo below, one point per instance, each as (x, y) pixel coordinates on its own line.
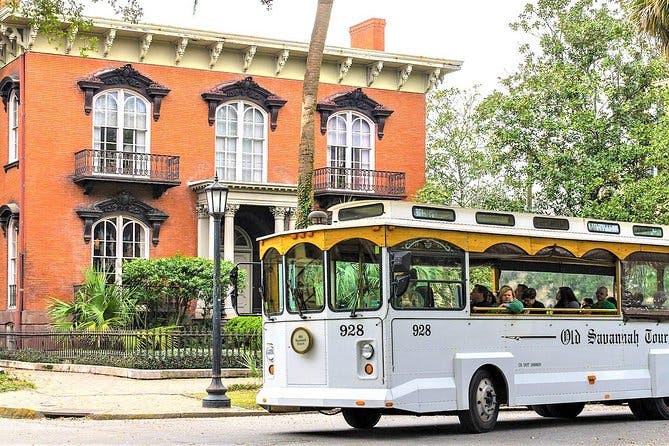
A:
(122, 96)
(239, 105)
(119, 226)
(13, 127)
(12, 258)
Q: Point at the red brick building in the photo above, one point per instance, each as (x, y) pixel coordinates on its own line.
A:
(106, 157)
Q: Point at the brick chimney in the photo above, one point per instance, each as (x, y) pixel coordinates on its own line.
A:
(369, 35)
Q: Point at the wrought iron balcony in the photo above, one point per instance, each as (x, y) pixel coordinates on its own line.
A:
(158, 171)
(359, 183)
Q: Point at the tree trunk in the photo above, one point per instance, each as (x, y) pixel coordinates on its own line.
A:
(305, 166)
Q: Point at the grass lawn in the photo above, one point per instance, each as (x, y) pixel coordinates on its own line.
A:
(241, 395)
(9, 383)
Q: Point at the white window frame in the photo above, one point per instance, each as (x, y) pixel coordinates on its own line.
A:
(240, 137)
(120, 222)
(13, 143)
(12, 260)
(137, 166)
(350, 116)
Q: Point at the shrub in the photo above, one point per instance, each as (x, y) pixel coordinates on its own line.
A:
(97, 305)
(244, 325)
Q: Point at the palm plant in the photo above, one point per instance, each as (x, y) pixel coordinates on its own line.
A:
(97, 305)
(652, 18)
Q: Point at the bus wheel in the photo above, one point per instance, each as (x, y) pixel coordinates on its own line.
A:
(483, 405)
(650, 408)
(638, 408)
(541, 409)
(565, 410)
(361, 418)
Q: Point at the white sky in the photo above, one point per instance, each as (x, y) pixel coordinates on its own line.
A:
(474, 31)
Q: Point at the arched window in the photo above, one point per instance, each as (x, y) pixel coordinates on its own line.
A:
(12, 254)
(350, 151)
(241, 135)
(13, 127)
(118, 239)
(121, 133)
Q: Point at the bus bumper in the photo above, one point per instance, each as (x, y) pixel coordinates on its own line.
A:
(282, 399)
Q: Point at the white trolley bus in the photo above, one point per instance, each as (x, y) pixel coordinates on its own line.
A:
(371, 314)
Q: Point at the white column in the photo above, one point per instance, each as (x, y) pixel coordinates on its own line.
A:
(203, 231)
(279, 218)
(229, 253)
(292, 218)
(229, 232)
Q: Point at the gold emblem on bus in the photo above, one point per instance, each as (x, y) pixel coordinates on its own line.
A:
(301, 340)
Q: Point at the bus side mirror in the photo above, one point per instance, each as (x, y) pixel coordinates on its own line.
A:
(401, 261)
(401, 269)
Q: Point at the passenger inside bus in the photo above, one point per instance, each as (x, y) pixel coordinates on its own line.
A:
(565, 298)
(508, 301)
(659, 299)
(530, 299)
(602, 302)
(481, 296)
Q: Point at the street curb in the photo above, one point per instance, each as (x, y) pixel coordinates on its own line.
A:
(12, 412)
(17, 413)
(122, 372)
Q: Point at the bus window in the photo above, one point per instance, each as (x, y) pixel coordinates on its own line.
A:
(355, 275)
(272, 278)
(304, 278)
(645, 280)
(435, 278)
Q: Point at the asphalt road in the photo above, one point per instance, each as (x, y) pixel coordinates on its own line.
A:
(598, 425)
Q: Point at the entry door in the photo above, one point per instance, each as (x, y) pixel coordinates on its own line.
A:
(244, 302)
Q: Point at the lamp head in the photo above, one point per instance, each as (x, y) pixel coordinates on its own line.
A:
(217, 196)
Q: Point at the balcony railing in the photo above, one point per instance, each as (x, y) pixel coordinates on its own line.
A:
(359, 182)
(161, 171)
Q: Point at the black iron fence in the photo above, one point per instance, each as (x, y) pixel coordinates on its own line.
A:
(370, 182)
(192, 346)
(131, 164)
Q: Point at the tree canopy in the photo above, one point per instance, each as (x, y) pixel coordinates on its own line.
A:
(579, 128)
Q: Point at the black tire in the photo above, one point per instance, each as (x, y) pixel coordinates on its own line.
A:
(565, 410)
(361, 418)
(638, 408)
(483, 404)
(541, 409)
(650, 408)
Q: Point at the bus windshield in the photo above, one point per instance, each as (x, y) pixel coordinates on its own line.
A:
(355, 275)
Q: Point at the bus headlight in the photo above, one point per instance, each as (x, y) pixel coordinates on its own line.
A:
(269, 352)
(367, 351)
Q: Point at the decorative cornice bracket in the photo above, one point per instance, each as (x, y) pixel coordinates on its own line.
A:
(180, 50)
(373, 72)
(215, 53)
(281, 60)
(248, 57)
(70, 38)
(433, 79)
(344, 68)
(109, 41)
(144, 45)
(403, 75)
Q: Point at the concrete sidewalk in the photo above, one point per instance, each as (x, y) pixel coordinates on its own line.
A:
(89, 393)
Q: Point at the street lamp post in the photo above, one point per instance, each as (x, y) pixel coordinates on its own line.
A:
(217, 195)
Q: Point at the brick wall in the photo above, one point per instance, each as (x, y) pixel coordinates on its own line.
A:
(57, 127)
